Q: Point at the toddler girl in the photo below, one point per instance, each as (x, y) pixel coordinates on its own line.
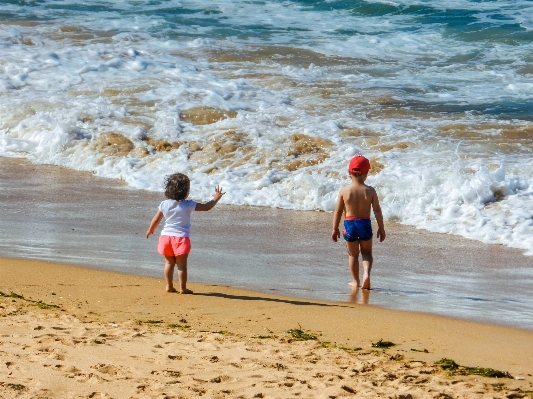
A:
(174, 243)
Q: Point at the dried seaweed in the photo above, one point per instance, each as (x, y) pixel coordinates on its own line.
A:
(455, 369)
(383, 344)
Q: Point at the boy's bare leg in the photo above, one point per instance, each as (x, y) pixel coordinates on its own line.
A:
(181, 263)
(170, 261)
(353, 262)
(366, 254)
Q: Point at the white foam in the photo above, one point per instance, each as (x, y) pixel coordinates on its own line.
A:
(53, 106)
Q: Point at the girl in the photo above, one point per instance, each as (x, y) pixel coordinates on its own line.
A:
(174, 243)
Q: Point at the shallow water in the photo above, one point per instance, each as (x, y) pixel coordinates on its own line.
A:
(272, 98)
(62, 216)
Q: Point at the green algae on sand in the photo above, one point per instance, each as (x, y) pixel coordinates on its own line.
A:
(455, 369)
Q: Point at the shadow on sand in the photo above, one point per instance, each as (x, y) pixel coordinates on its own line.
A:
(259, 298)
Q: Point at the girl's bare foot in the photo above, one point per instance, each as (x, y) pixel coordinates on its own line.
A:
(366, 284)
(171, 289)
(186, 291)
(353, 284)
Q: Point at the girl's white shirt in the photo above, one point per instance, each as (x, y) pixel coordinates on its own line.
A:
(177, 217)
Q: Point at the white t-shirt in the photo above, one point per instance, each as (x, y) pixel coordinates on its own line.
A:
(177, 217)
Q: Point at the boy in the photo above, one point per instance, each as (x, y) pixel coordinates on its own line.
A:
(355, 201)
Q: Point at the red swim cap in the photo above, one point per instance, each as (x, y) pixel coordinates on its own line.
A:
(359, 165)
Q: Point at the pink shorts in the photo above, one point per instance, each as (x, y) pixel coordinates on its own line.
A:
(174, 246)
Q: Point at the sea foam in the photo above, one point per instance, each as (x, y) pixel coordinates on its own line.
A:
(272, 100)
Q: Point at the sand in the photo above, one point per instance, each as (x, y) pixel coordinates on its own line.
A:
(82, 333)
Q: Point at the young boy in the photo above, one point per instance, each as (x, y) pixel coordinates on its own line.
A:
(355, 201)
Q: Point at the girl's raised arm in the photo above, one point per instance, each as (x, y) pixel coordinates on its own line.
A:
(209, 205)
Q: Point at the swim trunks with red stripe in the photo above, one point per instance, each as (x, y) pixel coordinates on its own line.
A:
(357, 229)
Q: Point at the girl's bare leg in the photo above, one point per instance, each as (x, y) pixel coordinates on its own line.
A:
(353, 262)
(366, 253)
(181, 263)
(170, 262)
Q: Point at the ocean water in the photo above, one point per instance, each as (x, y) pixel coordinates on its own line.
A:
(270, 99)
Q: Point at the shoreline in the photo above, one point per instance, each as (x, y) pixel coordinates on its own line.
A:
(78, 218)
(360, 298)
(111, 321)
(68, 286)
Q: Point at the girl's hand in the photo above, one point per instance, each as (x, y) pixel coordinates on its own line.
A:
(218, 193)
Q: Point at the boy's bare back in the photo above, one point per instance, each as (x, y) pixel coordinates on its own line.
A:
(358, 199)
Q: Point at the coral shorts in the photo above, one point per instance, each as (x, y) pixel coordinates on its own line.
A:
(173, 246)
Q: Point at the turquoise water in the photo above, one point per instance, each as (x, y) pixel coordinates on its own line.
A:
(438, 94)
(442, 45)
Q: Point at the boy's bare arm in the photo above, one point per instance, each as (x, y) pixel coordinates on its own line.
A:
(337, 214)
(379, 217)
(154, 223)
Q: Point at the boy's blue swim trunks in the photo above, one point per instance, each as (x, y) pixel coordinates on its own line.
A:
(357, 229)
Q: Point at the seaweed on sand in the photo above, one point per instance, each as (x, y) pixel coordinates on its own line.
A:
(42, 305)
(12, 295)
(455, 369)
(383, 344)
(178, 326)
(301, 335)
(153, 322)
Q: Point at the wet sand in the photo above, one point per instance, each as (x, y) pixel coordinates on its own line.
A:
(56, 214)
(77, 332)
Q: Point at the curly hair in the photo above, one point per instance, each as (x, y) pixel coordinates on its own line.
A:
(177, 186)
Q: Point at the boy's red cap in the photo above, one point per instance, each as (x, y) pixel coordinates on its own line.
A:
(359, 165)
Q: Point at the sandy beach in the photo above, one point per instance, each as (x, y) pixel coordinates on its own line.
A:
(73, 332)
(100, 101)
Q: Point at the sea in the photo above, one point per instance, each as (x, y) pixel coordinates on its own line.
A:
(271, 99)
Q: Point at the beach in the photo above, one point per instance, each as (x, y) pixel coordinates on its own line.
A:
(73, 332)
(84, 331)
(270, 100)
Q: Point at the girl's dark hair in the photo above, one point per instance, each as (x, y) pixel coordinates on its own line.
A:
(177, 186)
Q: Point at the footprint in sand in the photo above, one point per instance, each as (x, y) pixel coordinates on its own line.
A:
(167, 373)
(98, 395)
(108, 369)
(59, 328)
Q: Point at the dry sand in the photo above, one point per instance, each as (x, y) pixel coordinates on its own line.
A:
(110, 335)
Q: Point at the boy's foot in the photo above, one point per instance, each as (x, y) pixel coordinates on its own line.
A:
(366, 284)
(171, 289)
(186, 291)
